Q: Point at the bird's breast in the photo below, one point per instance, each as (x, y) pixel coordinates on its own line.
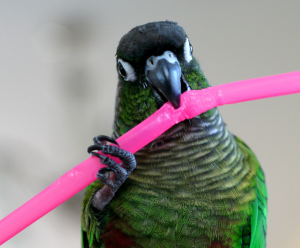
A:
(189, 182)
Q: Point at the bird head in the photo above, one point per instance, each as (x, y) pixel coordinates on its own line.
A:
(155, 65)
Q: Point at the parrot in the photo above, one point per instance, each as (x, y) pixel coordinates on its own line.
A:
(196, 185)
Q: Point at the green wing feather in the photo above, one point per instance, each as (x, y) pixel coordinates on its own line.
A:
(258, 221)
(91, 219)
(259, 213)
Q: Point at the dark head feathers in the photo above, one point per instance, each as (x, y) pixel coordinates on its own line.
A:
(151, 39)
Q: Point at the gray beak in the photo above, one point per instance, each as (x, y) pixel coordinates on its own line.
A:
(164, 73)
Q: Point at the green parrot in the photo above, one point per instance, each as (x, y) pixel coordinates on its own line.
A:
(196, 185)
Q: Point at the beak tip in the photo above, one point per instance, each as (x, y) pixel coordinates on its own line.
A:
(176, 103)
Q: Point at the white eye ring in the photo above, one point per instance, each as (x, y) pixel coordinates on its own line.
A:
(130, 73)
(187, 50)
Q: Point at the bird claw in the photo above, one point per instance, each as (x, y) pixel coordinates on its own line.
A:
(102, 139)
(98, 155)
(93, 148)
(121, 172)
(104, 170)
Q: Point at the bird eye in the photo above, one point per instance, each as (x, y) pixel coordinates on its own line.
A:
(121, 70)
(126, 70)
(188, 50)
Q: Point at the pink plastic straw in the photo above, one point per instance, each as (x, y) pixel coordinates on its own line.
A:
(193, 103)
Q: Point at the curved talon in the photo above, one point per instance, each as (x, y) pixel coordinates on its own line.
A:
(94, 147)
(104, 170)
(100, 138)
(98, 155)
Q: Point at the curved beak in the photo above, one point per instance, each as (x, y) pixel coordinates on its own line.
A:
(164, 75)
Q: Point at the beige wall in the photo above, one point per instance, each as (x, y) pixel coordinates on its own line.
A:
(58, 81)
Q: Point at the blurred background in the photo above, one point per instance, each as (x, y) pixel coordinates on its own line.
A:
(58, 83)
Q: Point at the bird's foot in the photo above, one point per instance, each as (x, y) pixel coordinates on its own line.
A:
(115, 174)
